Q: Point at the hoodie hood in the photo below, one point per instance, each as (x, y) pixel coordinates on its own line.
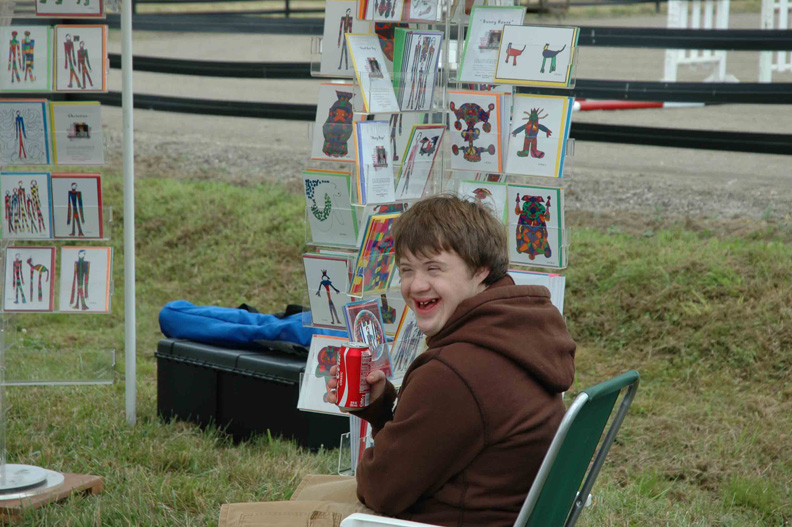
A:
(520, 323)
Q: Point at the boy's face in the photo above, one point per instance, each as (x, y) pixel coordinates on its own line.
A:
(433, 287)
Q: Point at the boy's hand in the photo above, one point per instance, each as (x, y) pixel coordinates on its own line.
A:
(376, 379)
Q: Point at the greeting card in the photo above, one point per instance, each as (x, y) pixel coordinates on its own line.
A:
(476, 138)
(554, 282)
(85, 279)
(372, 73)
(331, 218)
(376, 259)
(418, 160)
(328, 281)
(408, 344)
(27, 66)
(536, 225)
(322, 356)
(27, 205)
(29, 284)
(24, 132)
(375, 181)
(332, 131)
(70, 9)
(80, 58)
(415, 58)
(77, 137)
(537, 55)
(77, 206)
(538, 135)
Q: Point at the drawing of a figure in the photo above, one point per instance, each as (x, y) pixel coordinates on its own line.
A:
(41, 270)
(472, 114)
(380, 157)
(337, 129)
(18, 280)
(21, 213)
(35, 201)
(548, 53)
(84, 64)
(532, 129)
(14, 58)
(421, 66)
(328, 284)
(385, 8)
(28, 56)
(71, 60)
(407, 349)
(491, 39)
(420, 8)
(513, 53)
(74, 214)
(29, 209)
(394, 121)
(79, 289)
(8, 212)
(20, 134)
(531, 235)
(344, 28)
(483, 197)
(374, 69)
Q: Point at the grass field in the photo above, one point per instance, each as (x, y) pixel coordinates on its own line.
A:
(701, 308)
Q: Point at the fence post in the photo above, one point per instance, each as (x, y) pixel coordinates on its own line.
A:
(288, 9)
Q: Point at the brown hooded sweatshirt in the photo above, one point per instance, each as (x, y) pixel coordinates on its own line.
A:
(477, 412)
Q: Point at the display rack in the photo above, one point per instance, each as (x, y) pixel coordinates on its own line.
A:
(445, 176)
(28, 355)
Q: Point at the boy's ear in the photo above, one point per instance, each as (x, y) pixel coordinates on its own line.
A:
(481, 274)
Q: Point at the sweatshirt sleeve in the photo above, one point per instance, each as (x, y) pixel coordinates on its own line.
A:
(380, 411)
(436, 431)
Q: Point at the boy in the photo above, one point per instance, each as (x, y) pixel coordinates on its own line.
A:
(478, 410)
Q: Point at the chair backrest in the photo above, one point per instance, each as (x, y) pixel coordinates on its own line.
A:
(557, 497)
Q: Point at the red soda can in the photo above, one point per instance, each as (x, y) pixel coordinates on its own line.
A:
(354, 365)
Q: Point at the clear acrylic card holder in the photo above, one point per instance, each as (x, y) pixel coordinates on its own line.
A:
(33, 358)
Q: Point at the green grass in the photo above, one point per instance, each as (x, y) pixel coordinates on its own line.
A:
(701, 309)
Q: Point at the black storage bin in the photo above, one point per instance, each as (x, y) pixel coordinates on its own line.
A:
(241, 391)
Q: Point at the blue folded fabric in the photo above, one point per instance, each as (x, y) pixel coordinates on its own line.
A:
(236, 328)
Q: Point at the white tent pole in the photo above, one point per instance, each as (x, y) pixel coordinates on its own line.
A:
(127, 103)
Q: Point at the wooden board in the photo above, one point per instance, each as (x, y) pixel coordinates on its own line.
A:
(73, 483)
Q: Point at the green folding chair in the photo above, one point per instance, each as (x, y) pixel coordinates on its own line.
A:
(557, 496)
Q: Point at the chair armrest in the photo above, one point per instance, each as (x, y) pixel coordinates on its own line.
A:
(369, 520)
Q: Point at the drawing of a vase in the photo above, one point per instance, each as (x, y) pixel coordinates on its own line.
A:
(337, 129)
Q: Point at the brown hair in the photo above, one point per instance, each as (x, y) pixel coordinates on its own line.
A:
(448, 223)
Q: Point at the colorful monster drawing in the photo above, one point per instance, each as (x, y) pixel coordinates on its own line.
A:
(532, 129)
(483, 197)
(343, 29)
(472, 114)
(41, 270)
(327, 358)
(548, 53)
(328, 284)
(513, 53)
(531, 235)
(337, 129)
